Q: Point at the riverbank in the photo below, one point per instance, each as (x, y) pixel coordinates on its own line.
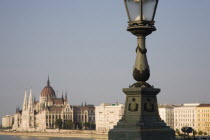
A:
(67, 133)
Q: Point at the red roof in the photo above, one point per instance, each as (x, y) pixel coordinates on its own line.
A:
(204, 105)
(57, 101)
(48, 91)
(55, 108)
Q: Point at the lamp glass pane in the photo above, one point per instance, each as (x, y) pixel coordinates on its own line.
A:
(134, 9)
(148, 9)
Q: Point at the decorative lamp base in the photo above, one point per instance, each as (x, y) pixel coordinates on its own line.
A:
(141, 120)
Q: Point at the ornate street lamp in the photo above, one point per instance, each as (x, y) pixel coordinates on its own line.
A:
(141, 11)
(141, 120)
(141, 15)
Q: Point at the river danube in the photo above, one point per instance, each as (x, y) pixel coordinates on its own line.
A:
(40, 138)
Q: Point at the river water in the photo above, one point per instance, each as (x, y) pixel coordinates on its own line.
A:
(2, 137)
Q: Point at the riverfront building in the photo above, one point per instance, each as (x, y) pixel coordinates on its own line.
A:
(167, 114)
(203, 118)
(185, 116)
(7, 121)
(107, 115)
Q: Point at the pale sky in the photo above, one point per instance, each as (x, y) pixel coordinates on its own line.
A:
(84, 46)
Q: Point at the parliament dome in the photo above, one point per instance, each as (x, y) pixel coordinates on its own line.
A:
(48, 91)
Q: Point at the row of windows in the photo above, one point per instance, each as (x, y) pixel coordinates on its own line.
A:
(203, 115)
(192, 111)
(204, 120)
(184, 124)
(169, 120)
(58, 116)
(203, 124)
(185, 111)
(185, 120)
(53, 116)
(204, 110)
(186, 115)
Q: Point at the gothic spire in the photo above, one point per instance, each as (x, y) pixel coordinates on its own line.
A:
(30, 102)
(66, 96)
(25, 105)
(62, 96)
(48, 81)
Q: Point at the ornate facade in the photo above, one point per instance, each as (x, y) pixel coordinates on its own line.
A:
(84, 113)
(42, 114)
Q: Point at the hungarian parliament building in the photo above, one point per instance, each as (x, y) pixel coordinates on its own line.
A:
(41, 115)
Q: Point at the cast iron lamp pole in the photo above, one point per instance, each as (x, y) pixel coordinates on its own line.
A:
(141, 120)
(141, 15)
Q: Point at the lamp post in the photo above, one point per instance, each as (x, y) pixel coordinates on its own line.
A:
(141, 15)
(141, 120)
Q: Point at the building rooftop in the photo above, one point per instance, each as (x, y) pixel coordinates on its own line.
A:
(48, 91)
(187, 105)
(192, 104)
(54, 108)
(108, 104)
(204, 105)
(166, 106)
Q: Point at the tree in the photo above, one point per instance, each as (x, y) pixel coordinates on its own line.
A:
(92, 126)
(195, 132)
(177, 132)
(200, 132)
(205, 133)
(78, 125)
(74, 125)
(87, 125)
(58, 123)
(69, 124)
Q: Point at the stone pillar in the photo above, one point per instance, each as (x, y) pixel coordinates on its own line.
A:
(141, 120)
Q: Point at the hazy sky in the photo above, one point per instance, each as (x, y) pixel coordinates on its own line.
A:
(84, 46)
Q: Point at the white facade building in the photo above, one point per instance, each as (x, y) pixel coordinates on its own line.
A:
(107, 115)
(7, 121)
(167, 114)
(185, 116)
